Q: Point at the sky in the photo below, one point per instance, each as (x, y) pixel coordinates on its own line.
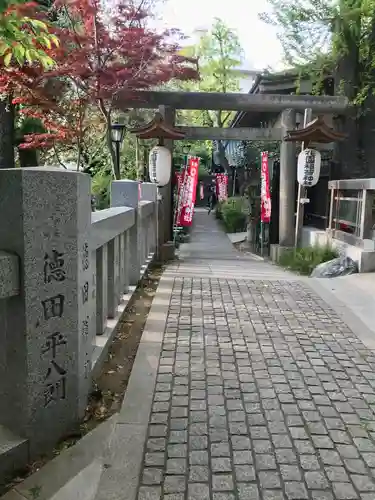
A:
(259, 40)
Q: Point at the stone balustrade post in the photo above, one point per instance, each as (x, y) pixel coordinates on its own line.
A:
(141, 236)
(146, 239)
(45, 218)
(126, 193)
(101, 289)
(124, 257)
(149, 191)
(113, 283)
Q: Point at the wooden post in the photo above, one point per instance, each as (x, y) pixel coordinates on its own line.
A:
(302, 191)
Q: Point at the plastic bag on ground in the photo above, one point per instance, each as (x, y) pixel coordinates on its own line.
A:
(342, 266)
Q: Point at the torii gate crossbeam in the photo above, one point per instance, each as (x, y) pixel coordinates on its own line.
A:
(150, 99)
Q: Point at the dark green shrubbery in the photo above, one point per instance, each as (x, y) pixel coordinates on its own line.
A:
(232, 213)
(304, 260)
(181, 235)
(218, 210)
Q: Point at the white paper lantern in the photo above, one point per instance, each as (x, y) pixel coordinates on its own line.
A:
(159, 165)
(308, 167)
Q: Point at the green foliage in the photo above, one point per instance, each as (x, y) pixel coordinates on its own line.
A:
(25, 125)
(24, 39)
(103, 175)
(318, 34)
(304, 27)
(128, 158)
(250, 153)
(233, 214)
(95, 160)
(202, 172)
(304, 260)
(219, 54)
(218, 210)
(100, 187)
(196, 148)
(182, 235)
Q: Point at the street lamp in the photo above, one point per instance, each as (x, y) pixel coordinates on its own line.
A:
(117, 136)
(186, 150)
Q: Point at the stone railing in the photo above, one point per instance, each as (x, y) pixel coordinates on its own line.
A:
(123, 241)
(351, 220)
(66, 275)
(351, 210)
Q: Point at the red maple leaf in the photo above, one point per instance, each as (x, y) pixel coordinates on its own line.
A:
(99, 55)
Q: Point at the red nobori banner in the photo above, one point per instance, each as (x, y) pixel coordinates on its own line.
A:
(179, 178)
(265, 196)
(188, 193)
(222, 187)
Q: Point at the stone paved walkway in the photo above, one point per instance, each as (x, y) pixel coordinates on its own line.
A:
(262, 391)
(211, 254)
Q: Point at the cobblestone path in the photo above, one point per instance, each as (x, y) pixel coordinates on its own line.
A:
(262, 393)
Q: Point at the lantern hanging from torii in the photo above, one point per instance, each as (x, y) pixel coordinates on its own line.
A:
(309, 160)
(160, 158)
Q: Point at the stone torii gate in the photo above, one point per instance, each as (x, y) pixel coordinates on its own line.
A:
(288, 105)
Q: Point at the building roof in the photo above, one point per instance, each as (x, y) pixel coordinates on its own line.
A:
(284, 82)
(316, 131)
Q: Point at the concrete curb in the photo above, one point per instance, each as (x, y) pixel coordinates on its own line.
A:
(69, 466)
(106, 463)
(343, 310)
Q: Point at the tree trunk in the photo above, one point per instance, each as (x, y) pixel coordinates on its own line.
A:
(367, 120)
(6, 133)
(348, 153)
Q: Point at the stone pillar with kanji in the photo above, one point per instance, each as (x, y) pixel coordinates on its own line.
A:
(45, 218)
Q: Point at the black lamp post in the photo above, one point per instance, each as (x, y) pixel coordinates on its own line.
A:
(186, 150)
(117, 136)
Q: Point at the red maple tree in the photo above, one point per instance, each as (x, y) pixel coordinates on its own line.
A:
(99, 55)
